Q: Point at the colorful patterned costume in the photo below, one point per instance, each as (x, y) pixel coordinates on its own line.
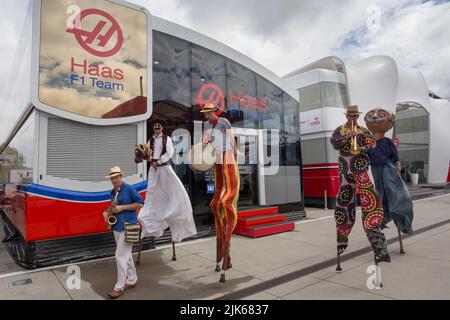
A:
(354, 174)
(224, 207)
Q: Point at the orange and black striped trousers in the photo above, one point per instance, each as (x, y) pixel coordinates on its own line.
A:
(224, 208)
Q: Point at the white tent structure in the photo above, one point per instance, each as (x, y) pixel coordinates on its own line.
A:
(422, 126)
(380, 81)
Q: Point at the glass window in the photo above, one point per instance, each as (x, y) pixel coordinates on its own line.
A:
(16, 165)
(208, 79)
(242, 102)
(171, 69)
(270, 116)
(409, 125)
(310, 97)
(291, 115)
(291, 152)
(334, 95)
(412, 131)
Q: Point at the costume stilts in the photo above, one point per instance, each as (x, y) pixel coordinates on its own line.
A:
(224, 208)
(355, 181)
(226, 193)
(397, 202)
(167, 203)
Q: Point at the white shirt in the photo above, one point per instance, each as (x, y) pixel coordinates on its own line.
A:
(158, 147)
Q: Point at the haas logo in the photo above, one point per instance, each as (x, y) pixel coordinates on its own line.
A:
(100, 37)
(210, 93)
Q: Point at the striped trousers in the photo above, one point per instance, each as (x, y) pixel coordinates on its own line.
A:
(224, 208)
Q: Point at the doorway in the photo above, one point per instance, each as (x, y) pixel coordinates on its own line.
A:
(248, 142)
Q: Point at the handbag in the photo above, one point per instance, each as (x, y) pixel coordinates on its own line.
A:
(132, 231)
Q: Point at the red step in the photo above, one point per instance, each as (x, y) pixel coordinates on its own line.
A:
(257, 212)
(265, 230)
(260, 220)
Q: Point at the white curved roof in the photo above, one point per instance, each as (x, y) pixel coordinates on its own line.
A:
(211, 44)
(380, 82)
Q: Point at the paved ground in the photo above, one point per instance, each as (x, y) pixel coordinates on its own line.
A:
(422, 273)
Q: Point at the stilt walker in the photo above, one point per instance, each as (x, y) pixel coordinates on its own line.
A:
(167, 203)
(386, 167)
(218, 132)
(353, 142)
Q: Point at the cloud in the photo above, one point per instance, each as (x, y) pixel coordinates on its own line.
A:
(284, 35)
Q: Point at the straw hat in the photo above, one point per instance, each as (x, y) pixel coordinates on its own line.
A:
(352, 110)
(113, 172)
(209, 107)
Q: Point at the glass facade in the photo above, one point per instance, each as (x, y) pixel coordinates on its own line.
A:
(315, 97)
(413, 133)
(19, 155)
(323, 95)
(185, 76)
(334, 95)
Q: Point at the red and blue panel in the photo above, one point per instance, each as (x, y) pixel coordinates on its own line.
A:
(42, 213)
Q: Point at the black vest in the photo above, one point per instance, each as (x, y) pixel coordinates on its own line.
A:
(164, 143)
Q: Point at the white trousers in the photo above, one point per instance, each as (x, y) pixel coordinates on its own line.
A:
(126, 271)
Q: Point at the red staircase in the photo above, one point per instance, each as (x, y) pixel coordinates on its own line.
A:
(262, 222)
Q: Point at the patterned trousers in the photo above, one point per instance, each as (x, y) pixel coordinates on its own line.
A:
(354, 174)
(224, 208)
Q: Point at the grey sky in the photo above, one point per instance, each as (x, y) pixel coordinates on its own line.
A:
(284, 35)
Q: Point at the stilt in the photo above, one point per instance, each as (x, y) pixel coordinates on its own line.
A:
(138, 260)
(222, 277)
(400, 240)
(218, 254)
(338, 261)
(225, 263)
(174, 255)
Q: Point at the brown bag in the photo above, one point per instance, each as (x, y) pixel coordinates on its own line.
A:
(132, 232)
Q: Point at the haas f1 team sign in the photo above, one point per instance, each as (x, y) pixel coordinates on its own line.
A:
(94, 60)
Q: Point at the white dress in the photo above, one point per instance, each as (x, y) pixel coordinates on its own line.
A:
(167, 203)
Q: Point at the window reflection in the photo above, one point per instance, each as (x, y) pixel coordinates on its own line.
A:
(187, 75)
(322, 95)
(171, 69)
(16, 161)
(413, 134)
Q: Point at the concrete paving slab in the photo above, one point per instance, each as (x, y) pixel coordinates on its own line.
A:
(262, 296)
(424, 272)
(43, 286)
(408, 277)
(325, 290)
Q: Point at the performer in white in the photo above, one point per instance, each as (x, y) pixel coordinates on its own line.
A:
(167, 203)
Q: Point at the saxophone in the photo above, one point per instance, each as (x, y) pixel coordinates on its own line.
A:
(110, 216)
